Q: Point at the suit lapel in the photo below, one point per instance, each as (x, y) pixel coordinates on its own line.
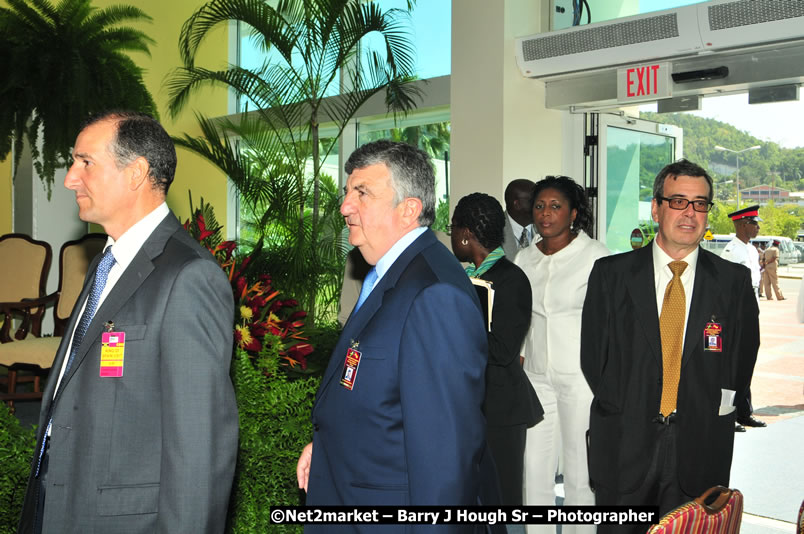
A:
(358, 320)
(61, 352)
(132, 278)
(701, 305)
(643, 293)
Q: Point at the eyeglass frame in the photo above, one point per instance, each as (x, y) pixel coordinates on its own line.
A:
(687, 201)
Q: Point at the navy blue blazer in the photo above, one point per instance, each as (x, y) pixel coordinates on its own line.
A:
(411, 430)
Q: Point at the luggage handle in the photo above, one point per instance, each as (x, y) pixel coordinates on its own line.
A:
(719, 503)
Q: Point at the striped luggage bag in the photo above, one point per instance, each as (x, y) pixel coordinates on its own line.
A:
(722, 516)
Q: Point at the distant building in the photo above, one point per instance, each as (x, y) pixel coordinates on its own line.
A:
(764, 193)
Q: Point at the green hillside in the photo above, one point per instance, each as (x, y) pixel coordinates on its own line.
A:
(770, 165)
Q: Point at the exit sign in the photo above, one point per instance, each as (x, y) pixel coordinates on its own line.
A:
(644, 82)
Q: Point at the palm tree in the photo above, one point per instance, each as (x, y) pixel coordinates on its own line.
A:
(315, 51)
(61, 63)
(277, 217)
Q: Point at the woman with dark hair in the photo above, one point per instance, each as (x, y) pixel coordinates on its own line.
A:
(511, 405)
(558, 266)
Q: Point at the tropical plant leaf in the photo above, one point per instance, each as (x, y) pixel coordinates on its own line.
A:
(61, 63)
(313, 50)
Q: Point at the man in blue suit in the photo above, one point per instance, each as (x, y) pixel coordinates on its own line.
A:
(397, 419)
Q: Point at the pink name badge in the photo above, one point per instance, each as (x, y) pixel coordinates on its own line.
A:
(112, 354)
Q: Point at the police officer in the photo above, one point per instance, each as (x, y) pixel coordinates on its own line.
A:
(740, 250)
(772, 278)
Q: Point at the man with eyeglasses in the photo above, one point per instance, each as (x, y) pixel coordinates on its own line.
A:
(740, 250)
(669, 338)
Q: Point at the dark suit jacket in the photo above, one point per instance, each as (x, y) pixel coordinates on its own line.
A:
(153, 450)
(510, 398)
(621, 358)
(411, 431)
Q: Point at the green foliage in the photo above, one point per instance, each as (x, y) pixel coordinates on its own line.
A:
(16, 450)
(442, 218)
(719, 221)
(323, 337)
(782, 220)
(60, 64)
(274, 428)
(313, 50)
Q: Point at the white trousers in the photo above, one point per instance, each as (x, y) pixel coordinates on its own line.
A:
(566, 399)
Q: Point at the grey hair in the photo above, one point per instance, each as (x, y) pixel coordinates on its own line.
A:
(411, 172)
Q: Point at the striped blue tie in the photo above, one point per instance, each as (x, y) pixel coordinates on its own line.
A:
(101, 275)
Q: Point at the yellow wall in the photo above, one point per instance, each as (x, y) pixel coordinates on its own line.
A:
(193, 173)
(5, 196)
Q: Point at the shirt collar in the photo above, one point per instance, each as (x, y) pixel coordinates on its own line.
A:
(396, 250)
(661, 260)
(127, 246)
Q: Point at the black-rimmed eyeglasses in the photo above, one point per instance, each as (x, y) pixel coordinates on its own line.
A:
(678, 203)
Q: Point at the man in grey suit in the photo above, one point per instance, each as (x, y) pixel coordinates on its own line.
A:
(518, 232)
(138, 426)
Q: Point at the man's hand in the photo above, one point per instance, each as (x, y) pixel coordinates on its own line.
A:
(303, 467)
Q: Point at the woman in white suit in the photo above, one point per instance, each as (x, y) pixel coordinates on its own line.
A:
(558, 267)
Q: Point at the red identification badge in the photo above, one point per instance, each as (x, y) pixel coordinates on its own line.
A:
(113, 347)
(712, 340)
(350, 369)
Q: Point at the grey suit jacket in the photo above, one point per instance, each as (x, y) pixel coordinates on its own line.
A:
(511, 243)
(153, 450)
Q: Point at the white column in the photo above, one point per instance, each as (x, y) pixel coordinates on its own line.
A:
(500, 127)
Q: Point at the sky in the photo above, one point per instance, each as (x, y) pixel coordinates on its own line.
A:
(780, 122)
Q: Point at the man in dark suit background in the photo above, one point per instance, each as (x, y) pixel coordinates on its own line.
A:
(668, 349)
(398, 417)
(518, 232)
(140, 439)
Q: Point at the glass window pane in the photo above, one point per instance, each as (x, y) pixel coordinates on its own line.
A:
(431, 29)
(633, 160)
(432, 137)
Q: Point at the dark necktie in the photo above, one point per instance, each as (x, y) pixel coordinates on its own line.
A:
(523, 239)
(671, 325)
(101, 275)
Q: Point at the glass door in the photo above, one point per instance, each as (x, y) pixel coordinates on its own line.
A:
(631, 153)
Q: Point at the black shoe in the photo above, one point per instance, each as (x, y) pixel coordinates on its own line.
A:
(738, 427)
(751, 421)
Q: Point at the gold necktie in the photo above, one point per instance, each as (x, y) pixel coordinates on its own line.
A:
(671, 324)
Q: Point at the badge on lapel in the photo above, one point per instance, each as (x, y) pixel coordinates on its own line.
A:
(350, 366)
(113, 346)
(713, 342)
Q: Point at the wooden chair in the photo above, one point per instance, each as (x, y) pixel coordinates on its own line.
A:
(36, 353)
(24, 264)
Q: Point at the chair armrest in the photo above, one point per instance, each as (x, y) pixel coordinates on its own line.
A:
(29, 309)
